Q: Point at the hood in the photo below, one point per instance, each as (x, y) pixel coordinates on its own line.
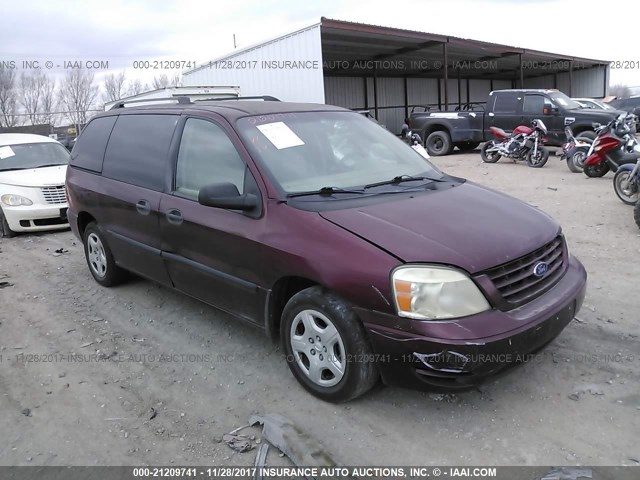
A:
(468, 226)
(35, 177)
(602, 116)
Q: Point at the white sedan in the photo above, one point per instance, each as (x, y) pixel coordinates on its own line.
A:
(32, 191)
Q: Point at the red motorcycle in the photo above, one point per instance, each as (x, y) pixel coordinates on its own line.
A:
(523, 143)
(614, 146)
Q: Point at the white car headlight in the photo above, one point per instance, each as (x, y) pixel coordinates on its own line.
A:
(15, 200)
(436, 293)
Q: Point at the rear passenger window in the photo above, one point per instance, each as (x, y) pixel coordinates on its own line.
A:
(506, 103)
(88, 152)
(138, 150)
(207, 156)
(533, 104)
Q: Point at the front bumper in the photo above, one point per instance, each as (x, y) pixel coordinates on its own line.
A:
(35, 218)
(457, 354)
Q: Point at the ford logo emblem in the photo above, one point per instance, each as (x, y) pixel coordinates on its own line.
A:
(540, 269)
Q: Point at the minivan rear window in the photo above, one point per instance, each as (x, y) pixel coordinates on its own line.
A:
(138, 150)
(88, 152)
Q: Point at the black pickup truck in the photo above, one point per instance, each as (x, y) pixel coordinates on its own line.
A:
(465, 129)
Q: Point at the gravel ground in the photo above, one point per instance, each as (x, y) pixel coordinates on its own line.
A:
(578, 403)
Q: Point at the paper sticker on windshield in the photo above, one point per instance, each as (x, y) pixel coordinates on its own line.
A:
(6, 152)
(280, 135)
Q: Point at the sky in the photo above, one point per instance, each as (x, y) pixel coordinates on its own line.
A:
(123, 33)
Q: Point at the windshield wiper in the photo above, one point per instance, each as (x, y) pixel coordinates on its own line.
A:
(324, 191)
(401, 178)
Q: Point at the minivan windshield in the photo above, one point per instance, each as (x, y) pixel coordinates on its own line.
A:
(310, 151)
(32, 155)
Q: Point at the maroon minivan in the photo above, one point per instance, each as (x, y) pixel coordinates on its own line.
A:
(328, 232)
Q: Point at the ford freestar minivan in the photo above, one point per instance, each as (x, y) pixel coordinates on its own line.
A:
(327, 231)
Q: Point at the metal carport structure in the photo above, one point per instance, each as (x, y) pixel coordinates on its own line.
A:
(389, 70)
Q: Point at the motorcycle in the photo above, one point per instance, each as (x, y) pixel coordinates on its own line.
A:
(415, 142)
(626, 181)
(614, 146)
(575, 150)
(524, 143)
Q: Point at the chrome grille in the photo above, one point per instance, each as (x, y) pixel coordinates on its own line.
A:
(516, 281)
(55, 195)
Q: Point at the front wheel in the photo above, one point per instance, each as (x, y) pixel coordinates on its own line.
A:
(326, 346)
(489, 157)
(626, 187)
(438, 143)
(576, 161)
(595, 171)
(5, 229)
(539, 159)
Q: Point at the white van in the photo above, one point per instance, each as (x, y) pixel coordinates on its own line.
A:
(32, 191)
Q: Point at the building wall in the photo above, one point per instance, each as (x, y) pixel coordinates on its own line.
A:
(248, 71)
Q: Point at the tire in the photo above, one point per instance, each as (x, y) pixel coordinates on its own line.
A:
(467, 146)
(590, 134)
(576, 161)
(595, 171)
(620, 177)
(5, 230)
(323, 312)
(491, 157)
(636, 214)
(438, 144)
(100, 259)
(541, 160)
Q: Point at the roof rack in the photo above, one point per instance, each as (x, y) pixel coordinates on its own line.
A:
(266, 98)
(185, 100)
(122, 103)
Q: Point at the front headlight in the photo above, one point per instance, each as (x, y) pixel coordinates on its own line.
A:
(436, 293)
(15, 200)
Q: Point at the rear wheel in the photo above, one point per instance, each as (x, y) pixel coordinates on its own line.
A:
(595, 171)
(438, 144)
(626, 187)
(587, 134)
(100, 259)
(539, 159)
(5, 229)
(467, 146)
(326, 346)
(489, 157)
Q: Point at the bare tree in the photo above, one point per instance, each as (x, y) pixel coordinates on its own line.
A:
(114, 87)
(8, 98)
(620, 91)
(77, 95)
(37, 97)
(163, 81)
(49, 101)
(136, 87)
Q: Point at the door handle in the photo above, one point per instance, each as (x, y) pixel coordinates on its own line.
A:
(174, 217)
(143, 207)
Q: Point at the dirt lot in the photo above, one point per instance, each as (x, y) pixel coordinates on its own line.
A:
(578, 403)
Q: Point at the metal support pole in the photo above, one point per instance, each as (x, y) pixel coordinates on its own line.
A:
(446, 76)
(375, 93)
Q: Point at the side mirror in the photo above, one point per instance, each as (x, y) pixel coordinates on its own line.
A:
(226, 195)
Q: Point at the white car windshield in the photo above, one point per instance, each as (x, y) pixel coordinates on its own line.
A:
(307, 151)
(32, 155)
